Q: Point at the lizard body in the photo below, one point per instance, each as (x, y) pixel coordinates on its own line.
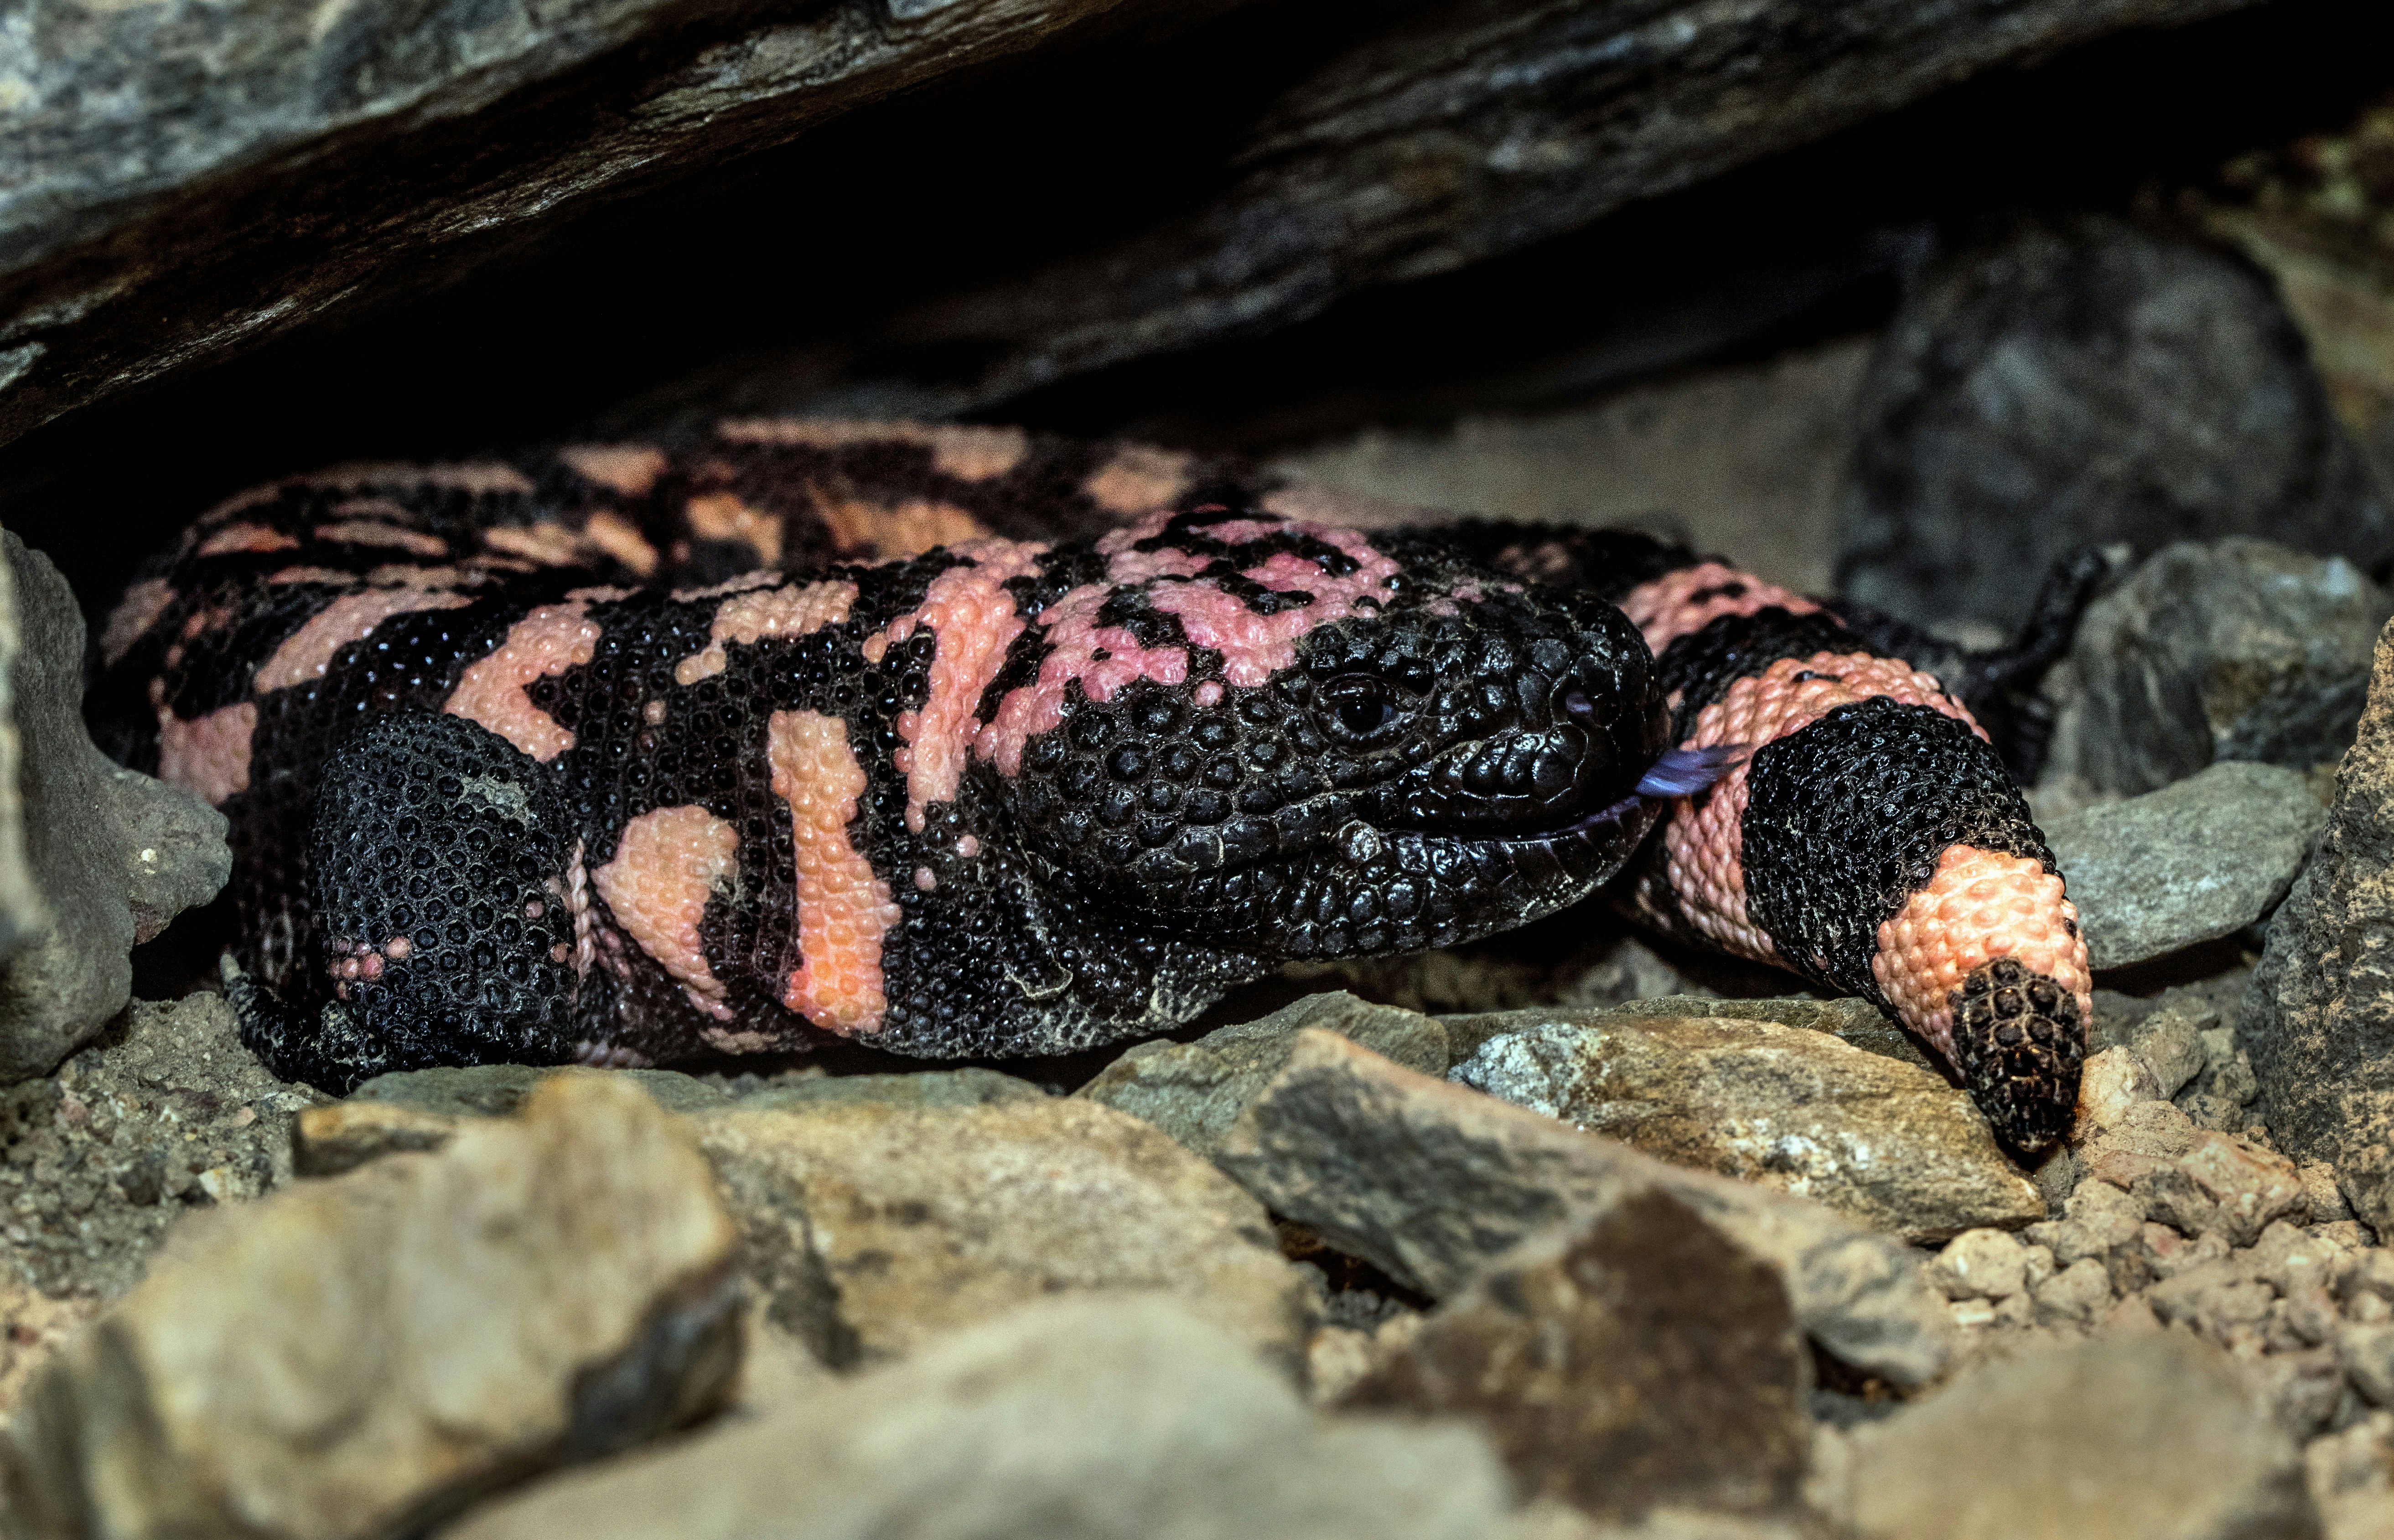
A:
(961, 741)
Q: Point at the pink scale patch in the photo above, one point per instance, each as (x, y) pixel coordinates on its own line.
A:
(1253, 646)
(621, 539)
(970, 454)
(752, 616)
(245, 539)
(1139, 477)
(306, 653)
(667, 865)
(376, 531)
(844, 910)
(549, 640)
(133, 616)
(1681, 603)
(631, 470)
(1979, 905)
(546, 544)
(721, 516)
(206, 755)
(973, 621)
(1704, 840)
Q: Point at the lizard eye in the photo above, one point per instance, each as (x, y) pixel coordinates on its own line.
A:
(1359, 707)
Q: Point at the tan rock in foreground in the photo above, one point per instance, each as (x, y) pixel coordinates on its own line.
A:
(873, 1228)
(2129, 1437)
(1881, 1141)
(1070, 1420)
(362, 1356)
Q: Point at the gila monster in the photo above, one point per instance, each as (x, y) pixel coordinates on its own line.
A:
(964, 742)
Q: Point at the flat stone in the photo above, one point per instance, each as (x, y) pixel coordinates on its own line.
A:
(495, 1091)
(971, 1088)
(1194, 1091)
(1881, 1141)
(1638, 1360)
(2196, 860)
(2075, 382)
(1432, 1183)
(2235, 649)
(2317, 1023)
(94, 857)
(1853, 1021)
(1071, 1419)
(364, 1355)
(2144, 1437)
(871, 1229)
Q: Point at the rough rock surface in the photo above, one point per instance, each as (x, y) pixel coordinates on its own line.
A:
(1639, 1360)
(492, 1090)
(164, 1114)
(2196, 860)
(1194, 1091)
(2318, 1020)
(871, 1229)
(187, 182)
(1432, 1183)
(1853, 1021)
(364, 1355)
(1881, 1141)
(2135, 1438)
(2236, 649)
(1079, 1419)
(2061, 384)
(106, 856)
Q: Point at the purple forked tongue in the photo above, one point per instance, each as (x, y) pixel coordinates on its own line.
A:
(1685, 772)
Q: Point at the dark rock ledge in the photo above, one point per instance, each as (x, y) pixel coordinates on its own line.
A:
(179, 182)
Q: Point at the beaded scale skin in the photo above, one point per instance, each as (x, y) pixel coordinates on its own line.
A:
(964, 742)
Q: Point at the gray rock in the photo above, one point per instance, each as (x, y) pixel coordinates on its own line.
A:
(871, 1228)
(364, 1355)
(495, 1090)
(2189, 864)
(1887, 1143)
(1637, 1360)
(2126, 1437)
(921, 1088)
(1194, 1091)
(2078, 383)
(1084, 1420)
(1853, 1021)
(2238, 650)
(2317, 1023)
(1432, 1183)
(93, 858)
(163, 156)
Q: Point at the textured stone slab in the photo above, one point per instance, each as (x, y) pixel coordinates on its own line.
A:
(2189, 864)
(1432, 1182)
(1887, 1143)
(1194, 1091)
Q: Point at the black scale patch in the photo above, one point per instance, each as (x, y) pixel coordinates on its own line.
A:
(1846, 820)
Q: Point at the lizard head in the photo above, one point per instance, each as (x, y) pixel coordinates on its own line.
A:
(1308, 742)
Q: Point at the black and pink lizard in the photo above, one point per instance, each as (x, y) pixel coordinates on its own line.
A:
(966, 741)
